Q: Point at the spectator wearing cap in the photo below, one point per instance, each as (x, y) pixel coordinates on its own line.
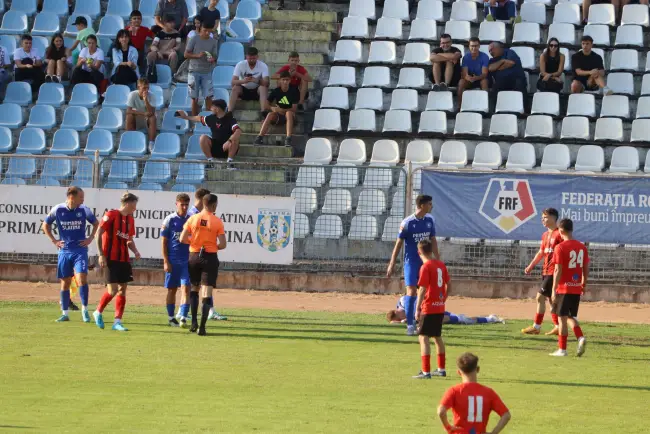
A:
(300, 78)
(177, 9)
(202, 52)
(83, 31)
(250, 80)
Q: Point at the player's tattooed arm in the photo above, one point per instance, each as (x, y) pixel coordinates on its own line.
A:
(165, 255)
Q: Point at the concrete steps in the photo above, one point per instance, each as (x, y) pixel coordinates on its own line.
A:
(302, 47)
(306, 58)
(312, 16)
(287, 35)
(253, 127)
(332, 27)
(267, 151)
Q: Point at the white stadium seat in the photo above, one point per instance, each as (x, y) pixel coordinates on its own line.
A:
(643, 107)
(362, 120)
(526, 33)
(382, 52)
(342, 76)
(629, 36)
(539, 127)
(388, 28)
(640, 131)
(602, 14)
(521, 156)
(510, 101)
(599, 33)
(371, 202)
(487, 155)
(504, 125)
(327, 120)
(545, 103)
(355, 27)
(337, 201)
(591, 158)
(417, 53)
(635, 14)
(442, 101)
(463, 10)
(609, 130)
(575, 127)
(310, 177)
(301, 226)
(468, 124)
(453, 155)
(335, 97)
(376, 76)
(328, 227)
(533, 13)
(430, 10)
(306, 200)
(459, 30)
(362, 8)
(624, 60)
(344, 175)
(433, 122)
(348, 51)
(318, 150)
(404, 99)
(385, 152)
(475, 101)
(621, 83)
(565, 33)
(396, 9)
(492, 31)
(379, 175)
(581, 104)
(411, 78)
(419, 152)
(567, 13)
(423, 29)
(363, 227)
(625, 159)
(391, 228)
(527, 57)
(616, 106)
(370, 98)
(352, 151)
(556, 156)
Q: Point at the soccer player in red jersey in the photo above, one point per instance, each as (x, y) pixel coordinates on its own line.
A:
(430, 309)
(471, 403)
(569, 281)
(550, 240)
(114, 240)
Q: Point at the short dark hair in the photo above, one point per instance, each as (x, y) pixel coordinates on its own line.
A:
(128, 198)
(566, 225)
(391, 315)
(293, 55)
(208, 24)
(93, 37)
(142, 81)
(285, 74)
(169, 19)
(445, 36)
(25, 37)
(475, 39)
(198, 194)
(223, 105)
(135, 13)
(182, 197)
(467, 363)
(426, 246)
(551, 212)
(209, 200)
(251, 51)
(423, 199)
(587, 38)
(73, 191)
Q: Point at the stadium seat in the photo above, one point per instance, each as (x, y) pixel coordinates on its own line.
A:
(464, 10)
(230, 53)
(336, 98)
(192, 9)
(14, 23)
(509, 101)
(546, 103)
(344, 175)
(458, 30)
(109, 26)
(11, 116)
(194, 151)
(318, 151)
(385, 152)
(382, 52)
(58, 7)
(370, 98)
(43, 117)
(84, 172)
(113, 185)
(46, 24)
(404, 99)
(352, 151)
(363, 227)
(371, 202)
(423, 30)
(348, 52)
(27, 7)
(157, 171)
(397, 121)
(629, 36)
(565, 33)
(190, 173)
(70, 28)
(117, 96)
(342, 76)
(183, 188)
(378, 175)
(150, 186)
(99, 140)
(173, 124)
(31, 141)
(430, 10)
(526, 33)
(13, 181)
(132, 144)
(616, 106)
(337, 201)
(475, 101)
(56, 168)
(110, 119)
(84, 95)
(199, 128)
(9, 42)
(635, 15)
(419, 152)
(556, 156)
(167, 145)
(521, 156)
(575, 128)
(591, 158)
(397, 205)
(490, 31)
(391, 228)
(218, 93)
(311, 176)
(487, 155)
(388, 28)
(640, 131)
(300, 226)
(599, 33)
(527, 57)
(90, 8)
(504, 125)
(362, 8)
(621, 83)
(328, 227)
(327, 120)
(21, 168)
(442, 101)
(243, 28)
(76, 118)
(18, 92)
(539, 127)
(533, 13)
(609, 130)
(165, 76)
(362, 120)
(40, 43)
(568, 13)
(6, 140)
(47, 182)
(581, 104)
(468, 124)
(646, 165)
(222, 76)
(121, 8)
(306, 200)
(417, 53)
(355, 27)
(376, 76)
(51, 94)
(65, 142)
(249, 9)
(643, 107)
(625, 159)
(453, 155)
(602, 14)
(433, 122)
(624, 60)
(398, 9)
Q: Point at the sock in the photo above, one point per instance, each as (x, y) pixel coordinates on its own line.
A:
(184, 310)
(229, 160)
(103, 302)
(562, 342)
(409, 308)
(210, 159)
(554, 319)
(205, 311)
(65, 301)
(83, 295)
(194, 305)
(539, 317)
(170, 310)
(120, 302)
(578, 332)
(426, 363)
(441, 361)
(482, 320)
(453, 319)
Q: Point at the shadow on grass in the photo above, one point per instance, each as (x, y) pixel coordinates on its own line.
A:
(564, 384)
(15, 427)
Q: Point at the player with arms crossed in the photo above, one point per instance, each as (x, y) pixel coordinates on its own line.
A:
(569, 282)
(434, 287)
(114, 240)
(550, 240)
(416, 227)
(471, 402)
(70, 218)
(175, 259)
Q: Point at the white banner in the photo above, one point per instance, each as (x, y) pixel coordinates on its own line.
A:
(259, 229)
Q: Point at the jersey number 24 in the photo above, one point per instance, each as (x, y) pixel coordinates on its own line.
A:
(576, 258)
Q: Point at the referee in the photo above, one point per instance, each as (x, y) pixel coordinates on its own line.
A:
(205, 234)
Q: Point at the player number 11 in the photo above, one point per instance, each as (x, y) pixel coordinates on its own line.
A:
(475, 412)
(576, 257)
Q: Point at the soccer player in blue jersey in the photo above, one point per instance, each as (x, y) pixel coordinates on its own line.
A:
(398, 316)
(414, 228)
(70, 218)
(176, 256)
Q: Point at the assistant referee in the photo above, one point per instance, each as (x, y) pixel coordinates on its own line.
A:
(205, 234)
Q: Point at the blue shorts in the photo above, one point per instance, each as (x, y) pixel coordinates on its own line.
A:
(200, 84)
(180, 275)
(412, 273)
(71, 263)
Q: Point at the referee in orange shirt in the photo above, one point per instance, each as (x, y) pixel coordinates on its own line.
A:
(205, 234)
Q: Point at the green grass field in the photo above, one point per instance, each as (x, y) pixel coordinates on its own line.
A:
(281, 372)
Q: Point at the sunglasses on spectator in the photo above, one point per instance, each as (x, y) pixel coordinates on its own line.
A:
(553, 45)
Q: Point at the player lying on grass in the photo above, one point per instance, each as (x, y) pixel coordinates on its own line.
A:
(398, 316)
(471, 403)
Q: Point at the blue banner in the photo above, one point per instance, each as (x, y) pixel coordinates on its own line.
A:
(604, 209)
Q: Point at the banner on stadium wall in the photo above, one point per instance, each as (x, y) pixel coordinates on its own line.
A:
(259, 229)
(604, 209)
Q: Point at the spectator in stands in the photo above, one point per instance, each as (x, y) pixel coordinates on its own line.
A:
(139, 34)
(211, 14)
(250, 80)
(195, 28)
(551, 68)
(5, 64)
(56, 58)
(175, 8)
(83, 31)
(90, 66)
(588, 69)
(300, 78)
(140, 113)
(283, 111)
(166, 45)
(202, 52)
(502, 10)
(29, 64)
(446, 64)
(506, 70)
(474, 72)
(125, 60)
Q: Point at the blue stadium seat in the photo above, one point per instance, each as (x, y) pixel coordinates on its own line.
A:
(76, 118)
(116, 185)
(105, 44)
(11, 115)
(172, 124)
(132, 144)
(110, 118)
(164, 76)
(157, 171)
(43, 117)
(147, 7)
(220, 93)
(123, 170)
(19, 92)
(71, 29)
(58, 7)
(13, 181)
(6, 140)
(9, 42)
(31, 141)
(46, 24)
(84, 172)
(224, 12)
(183, 188)
(28, 7)
(148, 21)
(190, 173)
(181, 99)
(21, 167)
(99, 140)
(65, 142)
(82, 183)
(191, 9)
(84, 95)
(199, 128)
(14, 23)
(194, 151)
(121, 8)
(56, 168)
(249, 9)
(222, 76)
(116, 96)
(150, 186)
(51, 94)
(230, 53)
(158, 100)
(244, 30)
(40, 43)
(109, 26)
(167, 145)
(47, 182)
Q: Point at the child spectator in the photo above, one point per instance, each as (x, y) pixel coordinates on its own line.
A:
(300, 78)
(83, 31)
(285, 99)
(139, 34)
(165, 45)
(90, 66)
(202, 52)
(210, 14)
(29, 64)
(125, 60)
(56, 60)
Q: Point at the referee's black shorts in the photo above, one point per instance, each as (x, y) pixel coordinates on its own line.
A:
(204, 270)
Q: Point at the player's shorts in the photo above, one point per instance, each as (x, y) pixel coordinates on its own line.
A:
(411, 273)
(547, 286)
(141, 123)
(71, 263)
(180, 275)
(199, 84)
(205, 270)
(118, 272)
(249, 94)
(431, 325)
(217, 150)
(567, 305)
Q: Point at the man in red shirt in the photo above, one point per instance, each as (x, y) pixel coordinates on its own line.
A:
(300, 78)
(569, 281)
(550, 239)
(471, 403)
(433, 287)
(139, 34)
(114, 240)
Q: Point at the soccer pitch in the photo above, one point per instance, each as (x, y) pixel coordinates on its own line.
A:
(301, 372)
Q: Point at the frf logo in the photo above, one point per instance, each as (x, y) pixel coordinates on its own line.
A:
(508, 203)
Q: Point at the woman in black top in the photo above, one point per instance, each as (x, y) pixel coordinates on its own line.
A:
(56, 60)
(551, 68)
(125, 60)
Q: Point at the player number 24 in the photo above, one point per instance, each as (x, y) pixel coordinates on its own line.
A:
(576, 257)
(475, 409)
